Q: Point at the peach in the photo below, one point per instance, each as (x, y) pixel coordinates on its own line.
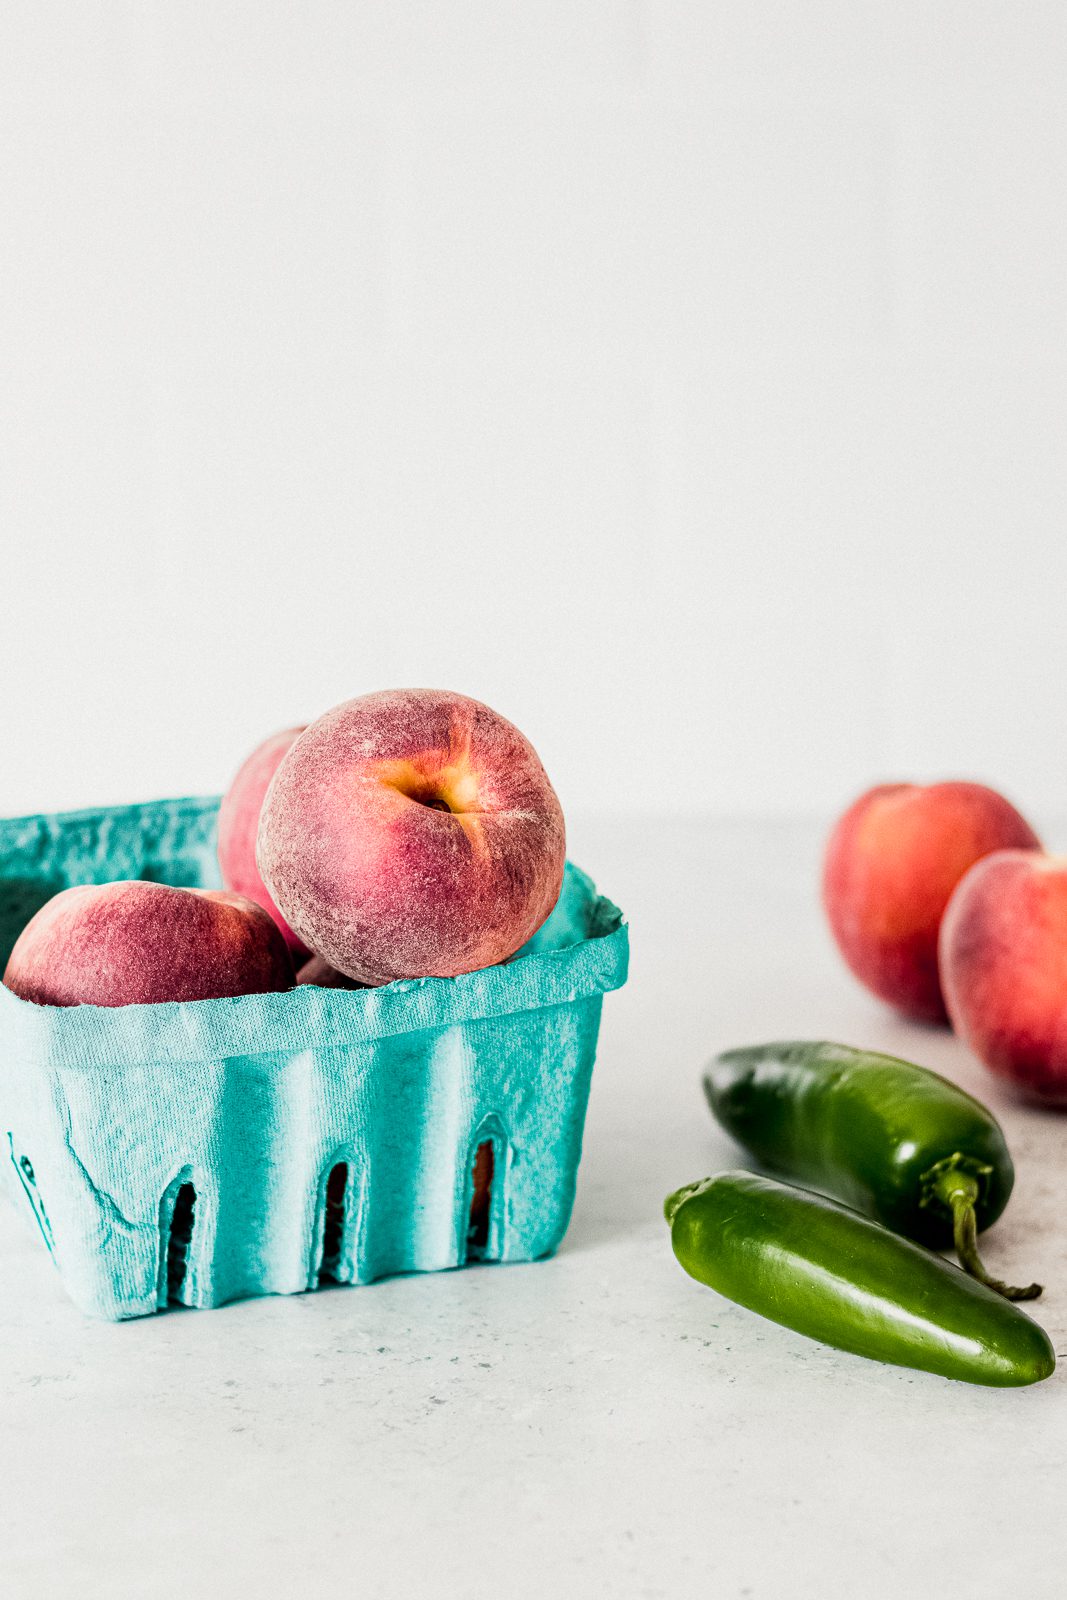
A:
(239, 822)
(891, 864)
(412, 833)
(134, 943)
(320, 972)
(1004, 968)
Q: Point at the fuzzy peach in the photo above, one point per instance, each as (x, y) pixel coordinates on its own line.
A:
(134, 943)
(239, 823)
(320, 973)
(1004, 968)
(891, 864)
(412, 833)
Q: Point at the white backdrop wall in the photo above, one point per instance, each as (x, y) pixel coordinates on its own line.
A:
(686, 379)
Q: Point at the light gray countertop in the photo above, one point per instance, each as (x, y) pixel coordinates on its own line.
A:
(592, 1425)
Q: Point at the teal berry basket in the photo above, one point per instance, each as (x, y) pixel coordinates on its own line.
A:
(195, 1153)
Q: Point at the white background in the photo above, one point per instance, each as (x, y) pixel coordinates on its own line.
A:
(686, 380)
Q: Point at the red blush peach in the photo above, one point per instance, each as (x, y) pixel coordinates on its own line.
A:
(1004, 968)
(891, 864)
(239, 823)
(137, 943)
(412, 833)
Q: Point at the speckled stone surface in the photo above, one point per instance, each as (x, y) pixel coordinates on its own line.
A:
(593, 1425)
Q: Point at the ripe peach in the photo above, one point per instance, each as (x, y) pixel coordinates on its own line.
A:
(412, 833)
(133, 943)
(1004, 968)
(239, 821)
(891, 864)
(320, 973)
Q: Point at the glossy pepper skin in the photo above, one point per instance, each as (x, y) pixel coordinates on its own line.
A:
(825, 1271)
(895, 1140)
(869, 1129)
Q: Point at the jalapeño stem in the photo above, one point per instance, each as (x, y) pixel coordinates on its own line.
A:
(958, 1190)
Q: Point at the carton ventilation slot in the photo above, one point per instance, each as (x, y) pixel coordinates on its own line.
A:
(333, 1225)
(179, 1244)
(481, 1213)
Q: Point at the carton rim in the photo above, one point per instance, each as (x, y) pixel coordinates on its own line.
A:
(309, 1017)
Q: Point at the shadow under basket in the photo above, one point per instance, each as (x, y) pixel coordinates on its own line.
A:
(199, 1152)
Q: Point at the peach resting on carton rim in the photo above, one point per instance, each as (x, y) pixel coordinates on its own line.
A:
(239, 824)
(412, 833)
(135, 942)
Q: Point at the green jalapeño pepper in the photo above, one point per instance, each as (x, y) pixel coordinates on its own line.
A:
(827, 1272)
(894, 1140)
